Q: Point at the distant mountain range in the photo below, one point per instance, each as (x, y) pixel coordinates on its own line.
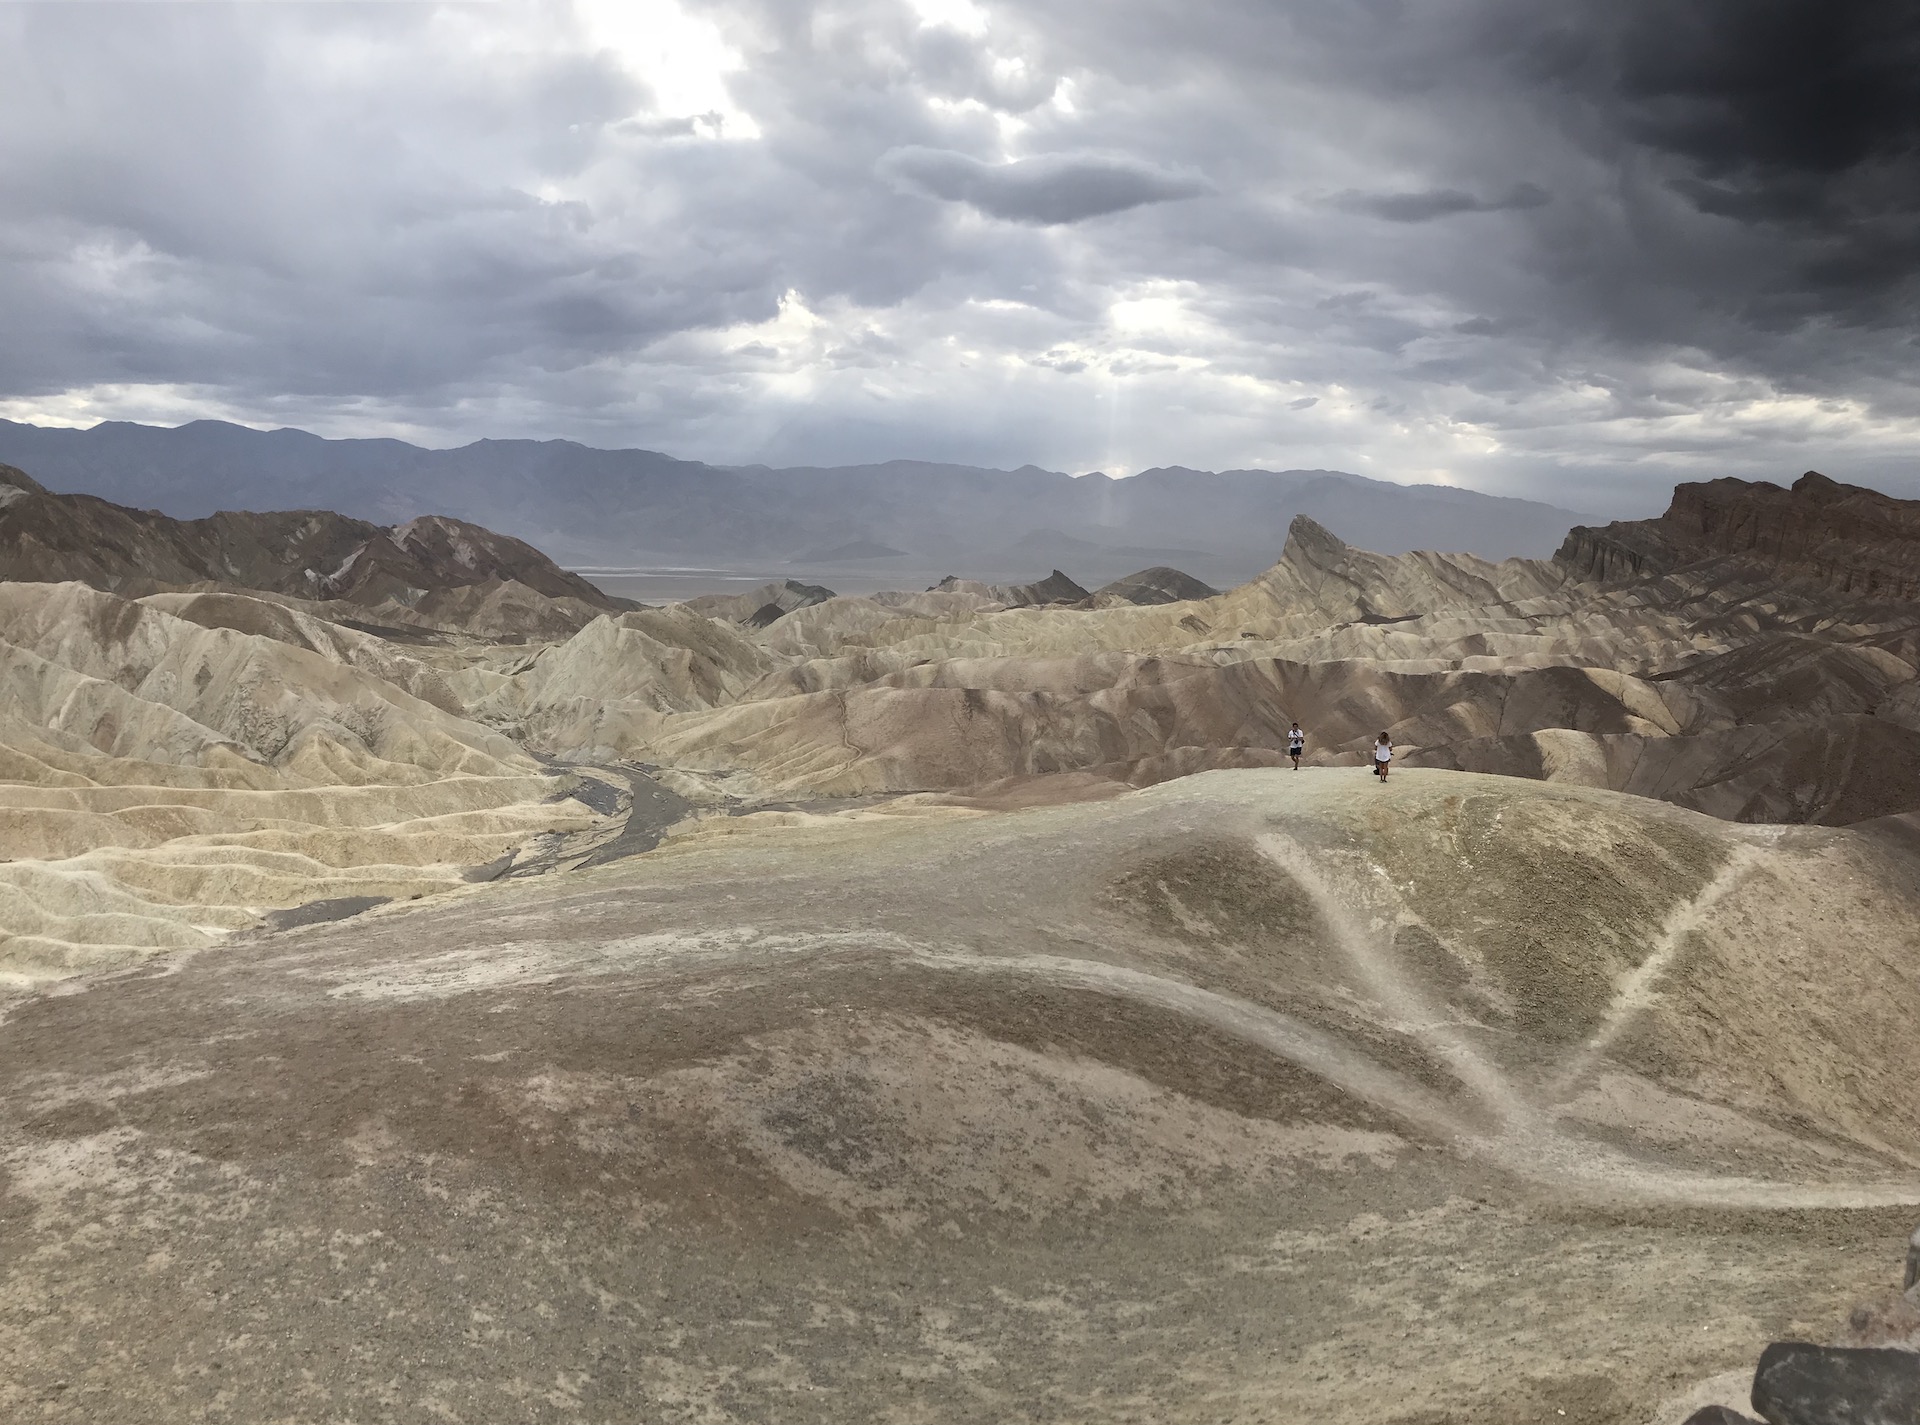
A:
(634, 508)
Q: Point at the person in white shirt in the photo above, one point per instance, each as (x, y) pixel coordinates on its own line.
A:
(1296, 744)
(1382, 756)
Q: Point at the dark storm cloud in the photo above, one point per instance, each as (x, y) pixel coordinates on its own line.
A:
(1503, 241)
(1440, 203)
(1059, 188)
(1766, 90)
(1799, 122)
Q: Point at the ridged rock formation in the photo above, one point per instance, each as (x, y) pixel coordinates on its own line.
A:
(1713, 681)
(1857, 542)
(1732, 694)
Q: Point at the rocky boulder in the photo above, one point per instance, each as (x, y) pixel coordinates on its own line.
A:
(1798, 1383)
(1870, 1377)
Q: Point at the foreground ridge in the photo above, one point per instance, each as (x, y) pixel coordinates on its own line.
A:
(868, 1092)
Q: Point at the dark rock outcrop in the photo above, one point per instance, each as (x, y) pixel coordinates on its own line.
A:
(1870, 1376)
(1799, 1383)
(759, 607)
(1056, 588)
(307, 554)
(1856, 542)
(1158, 585)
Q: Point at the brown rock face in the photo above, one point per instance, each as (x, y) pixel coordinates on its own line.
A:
(1857, 542)
(309, 554)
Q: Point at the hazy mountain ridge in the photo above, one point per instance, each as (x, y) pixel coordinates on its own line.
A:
(429, 569)
(613, 507)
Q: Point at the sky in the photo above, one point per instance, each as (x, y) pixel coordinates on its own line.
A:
(1569, 249)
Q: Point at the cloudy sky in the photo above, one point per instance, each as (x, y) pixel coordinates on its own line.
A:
(1570, 250)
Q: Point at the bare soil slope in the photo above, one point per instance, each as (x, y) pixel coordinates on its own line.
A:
(1251, 1096)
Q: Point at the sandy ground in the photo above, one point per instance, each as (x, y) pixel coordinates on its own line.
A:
(1250, 1097)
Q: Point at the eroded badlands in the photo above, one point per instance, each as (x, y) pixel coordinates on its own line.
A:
(945, 1005)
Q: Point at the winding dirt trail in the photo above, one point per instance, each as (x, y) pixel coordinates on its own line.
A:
(1639, 990)
(1377, 968)
(872, 1098)
(1527, 1144)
